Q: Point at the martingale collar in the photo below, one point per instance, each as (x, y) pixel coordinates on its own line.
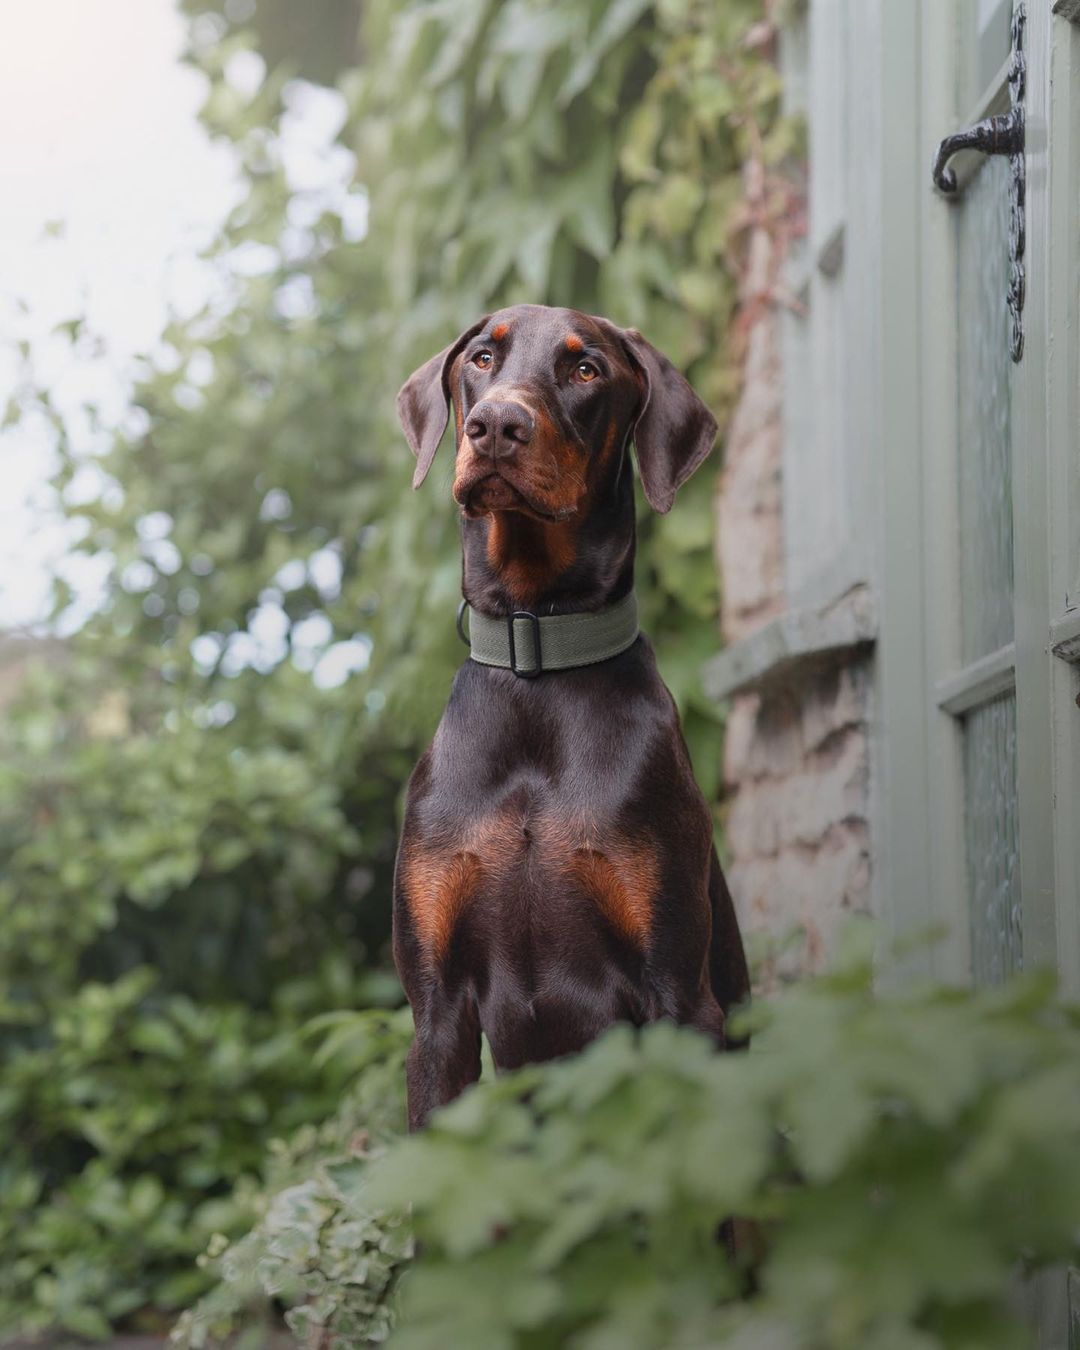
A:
(532, 644)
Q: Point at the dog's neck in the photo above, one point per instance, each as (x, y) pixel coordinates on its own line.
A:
(511, 561)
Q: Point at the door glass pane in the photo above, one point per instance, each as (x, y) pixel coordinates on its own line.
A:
(985, 458)
(984, 469)
(992, 40)
(984, 49)
(993, 853)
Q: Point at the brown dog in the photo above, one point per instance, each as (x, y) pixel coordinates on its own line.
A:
(556, 872)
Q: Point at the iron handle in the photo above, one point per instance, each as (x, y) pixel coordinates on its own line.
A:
(1000, 135)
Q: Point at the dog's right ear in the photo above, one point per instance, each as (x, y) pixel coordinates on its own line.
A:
(423, 402)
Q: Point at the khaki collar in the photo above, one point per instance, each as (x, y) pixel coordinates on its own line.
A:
(533, 644)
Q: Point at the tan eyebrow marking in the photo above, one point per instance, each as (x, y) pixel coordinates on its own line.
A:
(574, 343)
(500, 331)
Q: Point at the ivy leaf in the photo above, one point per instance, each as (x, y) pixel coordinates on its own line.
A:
(618, 17)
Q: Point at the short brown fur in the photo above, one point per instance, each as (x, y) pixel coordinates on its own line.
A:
(623, 884)
(530, 555)
(439, 886)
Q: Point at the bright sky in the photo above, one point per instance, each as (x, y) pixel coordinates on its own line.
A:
(101, 137)
(99, 133)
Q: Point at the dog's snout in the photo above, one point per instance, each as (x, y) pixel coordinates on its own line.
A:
(499, 428)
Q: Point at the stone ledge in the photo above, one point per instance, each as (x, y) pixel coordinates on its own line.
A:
(793, 643)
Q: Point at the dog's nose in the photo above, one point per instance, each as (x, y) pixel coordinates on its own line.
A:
(499, 429)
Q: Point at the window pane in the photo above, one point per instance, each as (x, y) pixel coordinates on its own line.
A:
(985, 452)
(993, 853)
(984, 48)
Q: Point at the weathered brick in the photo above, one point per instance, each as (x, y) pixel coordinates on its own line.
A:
(842, 868)
(753, 824)
(830, 788)
(749, 504)
(739, 736)
(776, 749)
(797, 827)
(834, 700)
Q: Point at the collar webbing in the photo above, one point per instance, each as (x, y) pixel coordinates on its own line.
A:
(530, 644)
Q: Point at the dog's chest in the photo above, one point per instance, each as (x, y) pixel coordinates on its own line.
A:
(545, 816)
(526, 830)
(525, 854)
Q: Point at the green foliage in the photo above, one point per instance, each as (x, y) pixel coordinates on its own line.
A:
(154, 876)
(101, 818)
(316, 41)
(188, 792)
(317, 1247)
(135, 1132)
(904, 1158)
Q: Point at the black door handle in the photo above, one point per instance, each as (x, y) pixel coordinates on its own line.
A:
(1000, 135)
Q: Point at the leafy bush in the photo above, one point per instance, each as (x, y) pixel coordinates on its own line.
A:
(317, 1247)
(135, 1132)
(154, 838)
(166, 929)
(904, 1156)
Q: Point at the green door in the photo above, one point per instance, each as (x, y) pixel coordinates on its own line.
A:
(1003, 686)
(985, 676)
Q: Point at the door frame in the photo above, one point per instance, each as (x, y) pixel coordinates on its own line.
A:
(1031, 507)
(1063, 471)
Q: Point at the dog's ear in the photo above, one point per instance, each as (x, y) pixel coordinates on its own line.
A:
(423, 402)
(674, 430)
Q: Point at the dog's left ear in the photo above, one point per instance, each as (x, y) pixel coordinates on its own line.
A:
(423, 402)
(674, 429)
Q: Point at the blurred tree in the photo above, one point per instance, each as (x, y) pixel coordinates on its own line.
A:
(316, 41)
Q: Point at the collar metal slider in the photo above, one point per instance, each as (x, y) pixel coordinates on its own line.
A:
(535, 622)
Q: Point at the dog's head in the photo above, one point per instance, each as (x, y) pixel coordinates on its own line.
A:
(545, 403)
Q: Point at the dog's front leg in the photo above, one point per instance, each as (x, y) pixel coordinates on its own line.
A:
(444, 1057)
(432, 888)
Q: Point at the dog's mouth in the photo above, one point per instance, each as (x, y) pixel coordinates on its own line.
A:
(493, 492)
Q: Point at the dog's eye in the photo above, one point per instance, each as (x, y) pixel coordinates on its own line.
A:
(482, 360)
(585, 371)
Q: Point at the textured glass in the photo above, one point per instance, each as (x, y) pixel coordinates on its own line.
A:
(993, 853)
(983, 49)
(985, 452)
(992, 41)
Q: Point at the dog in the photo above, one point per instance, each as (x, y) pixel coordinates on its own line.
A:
(556, 871)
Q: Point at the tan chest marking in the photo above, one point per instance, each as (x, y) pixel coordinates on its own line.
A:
(620, 877)
(438, 886)
(530, 556)
(622, 880)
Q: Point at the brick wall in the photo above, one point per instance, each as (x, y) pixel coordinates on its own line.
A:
(796, 764)
(796, 768)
